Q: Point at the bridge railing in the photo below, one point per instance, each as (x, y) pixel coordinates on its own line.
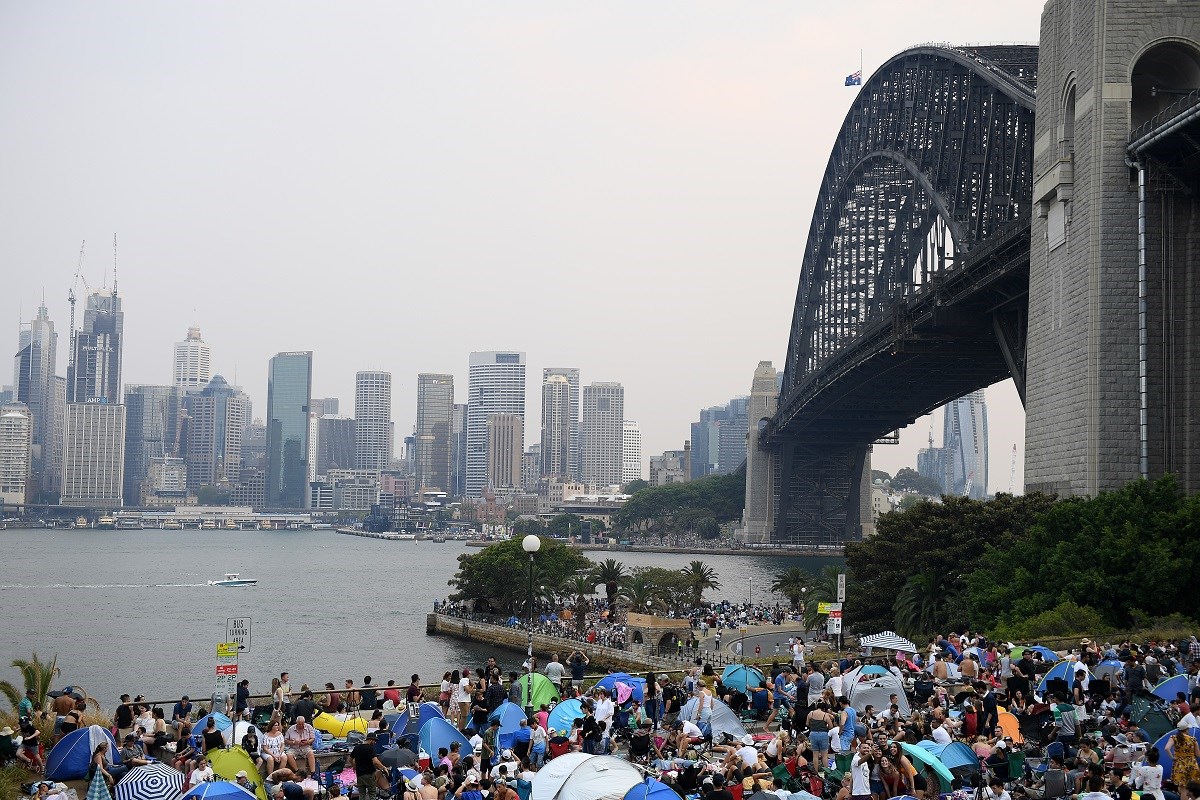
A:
(1184, 102)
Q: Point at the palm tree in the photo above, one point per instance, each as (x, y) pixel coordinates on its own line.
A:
(610, 572)
(918, 606)
(578, 587)
(793, 584)
(37, 675)
(823, 589)
(700, 577)
(638, 592)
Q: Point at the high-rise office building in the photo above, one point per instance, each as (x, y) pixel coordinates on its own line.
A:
(601, 434)
(289, 389)
(373, 419)
(719, 438)
(7, 396)
(94, 455)
(558, 442)
(458, 450)
(965, 441)
(52, 452)
(94, 374)
(572, 376)
(33, 384)
(335, 444)
(435, 414)
(531, 468)
(324, 406)
(16, 454)
(631, 452)
(505, 446)
(151, 431)
(495, 385)
(218, 417)
(192, 369)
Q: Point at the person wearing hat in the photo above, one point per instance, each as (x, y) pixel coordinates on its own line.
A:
(25, 707)
(132, 754)
(8, 747)
(243, 780)
(469, 790)
(367, 767)
(509, 765)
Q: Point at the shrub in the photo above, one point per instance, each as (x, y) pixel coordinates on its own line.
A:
(1065, 619)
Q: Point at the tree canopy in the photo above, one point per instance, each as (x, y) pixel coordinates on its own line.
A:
(682, 506)
(909, 480)
(498, 575)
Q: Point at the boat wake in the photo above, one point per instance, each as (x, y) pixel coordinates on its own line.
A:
(101, 586)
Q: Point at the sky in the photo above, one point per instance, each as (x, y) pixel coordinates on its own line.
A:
(623, 187)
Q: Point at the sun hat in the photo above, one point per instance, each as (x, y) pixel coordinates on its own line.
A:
(6, 731)
(747, 739)
(241, 774)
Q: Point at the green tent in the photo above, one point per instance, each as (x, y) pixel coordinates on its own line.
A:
(226, 761)
(544, 692)
(919, 755)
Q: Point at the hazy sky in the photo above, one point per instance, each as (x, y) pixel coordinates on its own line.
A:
(624, 187)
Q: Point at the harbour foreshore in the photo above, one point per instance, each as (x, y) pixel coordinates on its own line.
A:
(810, 552)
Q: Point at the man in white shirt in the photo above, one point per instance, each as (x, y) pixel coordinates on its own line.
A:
(798, 656)
(995, 790)
(940, 734)
(554, 671)
(747, 752)
(203, 772)
(1188, 720)
(604, 713)
(860, 773)
(512, 765)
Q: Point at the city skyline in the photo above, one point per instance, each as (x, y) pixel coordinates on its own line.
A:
(670, 164)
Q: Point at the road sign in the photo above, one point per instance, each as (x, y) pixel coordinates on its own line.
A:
(237, 629)
(834, 624)
(227, 668)
(227, 650)
(827, 608)
(841, 592)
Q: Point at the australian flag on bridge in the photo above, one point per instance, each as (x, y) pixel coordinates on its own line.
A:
(854, 78)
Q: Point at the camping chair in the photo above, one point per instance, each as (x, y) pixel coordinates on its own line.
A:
(557, 746)
(382, 740)
(639, 748)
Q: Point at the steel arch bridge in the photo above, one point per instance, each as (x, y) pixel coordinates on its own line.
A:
(915, 277)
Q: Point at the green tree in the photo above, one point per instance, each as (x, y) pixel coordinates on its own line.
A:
(610, 572)
(640, 593)
(700, 577)
(910, 500)
(823, 589)
(578, 588)
(635, 486)
(909, 480)
(919, 607)
(37, 675)
(946, 538)
(793, 584)
(498, 574)
(708, 528)
(679, 505)
(213, 495)
(879, 475)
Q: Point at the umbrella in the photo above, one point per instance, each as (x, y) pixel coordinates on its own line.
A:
(888, 640)
(398, 757)
(218, 790)
(154, 781)
(740, 677)
(654, 789)
(98, 789)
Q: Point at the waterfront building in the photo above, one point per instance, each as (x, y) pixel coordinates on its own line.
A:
(505, 446)
(289, 388)
(373, 420)
(601, 434)
(432, 437)
(218, 416)
(631, 452)
(458, 450)
(252, 490)
(94, 455)
(354, 489)
(965, 439)
(558, 445)
(166, 483)
(151, 430)
(335, 444)
(34, 385)
(495, 385)
(571, 374)
(16, 455)
(254, 447)
(192, 369)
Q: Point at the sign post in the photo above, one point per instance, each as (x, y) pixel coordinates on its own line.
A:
(227, 671)
(841, 598)
(237, 630)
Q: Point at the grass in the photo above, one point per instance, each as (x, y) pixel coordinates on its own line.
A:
(11, 779)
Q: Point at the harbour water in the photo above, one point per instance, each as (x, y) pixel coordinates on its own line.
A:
(131, 611)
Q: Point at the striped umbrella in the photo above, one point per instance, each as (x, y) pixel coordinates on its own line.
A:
(154, 781)
(98, 789)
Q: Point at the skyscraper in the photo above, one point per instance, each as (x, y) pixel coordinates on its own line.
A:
(16, 454)
(557, 446)
(631, 452)
(572, 376)
(218, 417)
(719, 438)
(458, 450)
(151, 430)
(505, 446)
(435, 414)
(33, 384)
(192, 368)
(373, 419)
(335, 444)
(495, 385)
(601, 433)
(289, 389)
(965, 441)
(94, 374)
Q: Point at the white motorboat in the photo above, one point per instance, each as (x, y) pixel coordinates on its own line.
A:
(232, 579)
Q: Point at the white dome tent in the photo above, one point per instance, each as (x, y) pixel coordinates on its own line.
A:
(581, 776)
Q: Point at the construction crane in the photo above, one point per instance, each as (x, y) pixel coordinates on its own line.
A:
(1012, 471)
(970, 483)
(114, 289)
(71, 299)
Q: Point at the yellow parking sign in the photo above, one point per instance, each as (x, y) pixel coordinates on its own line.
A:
(227, 650)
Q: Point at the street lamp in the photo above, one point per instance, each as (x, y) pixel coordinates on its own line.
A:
(530, 544)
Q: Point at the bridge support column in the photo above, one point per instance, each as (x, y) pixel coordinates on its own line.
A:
(825, 492)
(758, 515)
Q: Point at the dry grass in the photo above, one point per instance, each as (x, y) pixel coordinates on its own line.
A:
(11, 779)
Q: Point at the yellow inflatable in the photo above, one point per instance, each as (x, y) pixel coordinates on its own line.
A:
(339, 725)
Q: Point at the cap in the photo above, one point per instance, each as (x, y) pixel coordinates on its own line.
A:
(241, 774)
(747, 739)
(707, 781)
(718, 779)
(1001, 745)
(506, 754)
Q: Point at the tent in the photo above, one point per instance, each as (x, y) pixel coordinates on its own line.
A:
(741, 677)
(724, 720)
(1171, 688)
(234, 733)
(957, 757)
(510, 716)
(153, 781)
(339, 725)
(70, 758)
(580, 776)
(1011, 726)
(636, 684)
(563, 714)
(1046, 653)
(398, 723)
(876, 691)
(1148, 712)
(873, 669)
(1063, 671)
(440, 733)
(224, 723)
(927, 759)
(228, 760)
(217, 790)
(544, 692)
(651, 789)
(1107, 669)
(1164, 757)
(888, 640)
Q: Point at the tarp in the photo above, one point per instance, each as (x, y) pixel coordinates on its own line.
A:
(544, 692)
(651, 789)
(741, 677)
(564, 714)
(218, 790)
(510, 716)
(636, 684)
(1164, 758)
(398, 723)
(724, 720)
(589, 778)
(69, 759)
(928, 759)
(876, 691)
(439, 733)
(888, 640)
(226, 763)
(1011, 726)
(153, 781)
(339, 725)
(1171, 688)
